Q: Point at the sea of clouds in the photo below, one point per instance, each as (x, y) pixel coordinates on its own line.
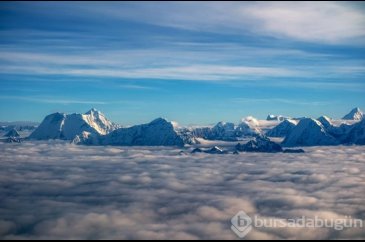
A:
(65, 191)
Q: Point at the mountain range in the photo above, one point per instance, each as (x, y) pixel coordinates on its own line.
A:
(93, 128)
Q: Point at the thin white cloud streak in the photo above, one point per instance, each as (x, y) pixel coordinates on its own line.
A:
(173, 53)
(309, 84)
(324, 22)
(50, 100)
(161, 64)
(176, 54)
(212, 62)
(67, 101)
(189, 73)
(137, 87)
(350, 69)
(281, 100)
(63, 191)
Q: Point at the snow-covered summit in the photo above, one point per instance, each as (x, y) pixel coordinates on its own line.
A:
(93, 127)
(355, 114)
(309, 132)
(67, 126)
(99, 122)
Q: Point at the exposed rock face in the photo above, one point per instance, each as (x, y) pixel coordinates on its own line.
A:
(260, 144)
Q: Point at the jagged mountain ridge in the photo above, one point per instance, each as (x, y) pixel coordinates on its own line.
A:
(94, 128)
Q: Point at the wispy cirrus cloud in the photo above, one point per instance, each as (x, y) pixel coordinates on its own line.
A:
(52, 100)
(183, 61)
(323, 22)
(188, 73)
(137, 87)
(282, 101)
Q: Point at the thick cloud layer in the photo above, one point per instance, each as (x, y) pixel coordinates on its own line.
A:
(59, 190)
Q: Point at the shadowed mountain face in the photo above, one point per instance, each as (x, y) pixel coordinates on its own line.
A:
(260, 144)
(159, 132)
(356, 134)
(12, 133)
(283, 129)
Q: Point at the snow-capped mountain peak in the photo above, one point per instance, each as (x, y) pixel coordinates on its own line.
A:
(355, 114)
(98, 121)
(67, 126)
(93, 127)
(309, 132)
(92, 111)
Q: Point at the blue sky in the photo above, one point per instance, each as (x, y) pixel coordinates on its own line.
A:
(196, 63)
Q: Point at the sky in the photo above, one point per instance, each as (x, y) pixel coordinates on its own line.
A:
(192, 62)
